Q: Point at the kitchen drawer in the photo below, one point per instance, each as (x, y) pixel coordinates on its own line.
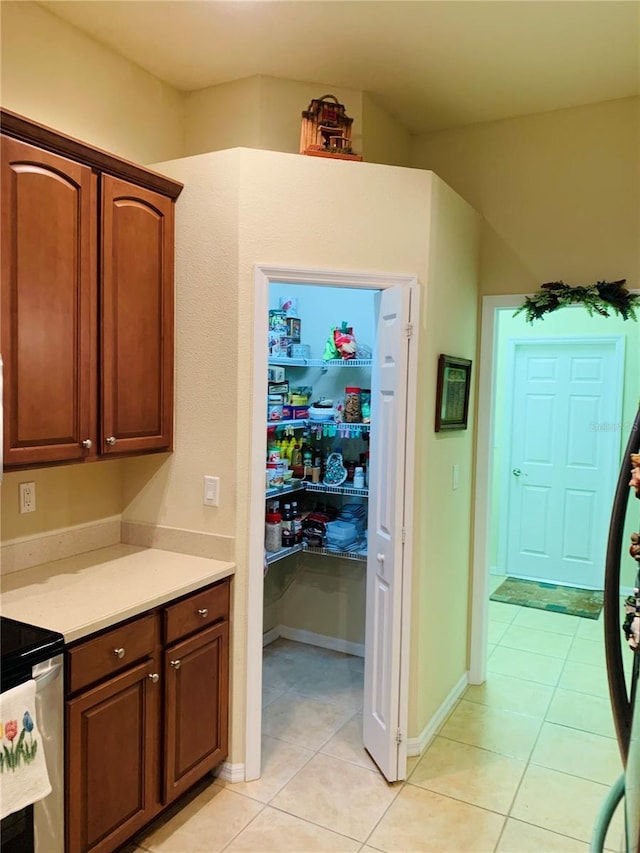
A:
(199, 610)
(111, 652)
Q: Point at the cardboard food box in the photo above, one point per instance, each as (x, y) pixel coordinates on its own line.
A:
(294, 329)
(294, 413)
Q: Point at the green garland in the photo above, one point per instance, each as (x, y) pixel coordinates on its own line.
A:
(599, 298)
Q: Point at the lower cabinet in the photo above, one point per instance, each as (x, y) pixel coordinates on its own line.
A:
(196, 686)
(146, 717)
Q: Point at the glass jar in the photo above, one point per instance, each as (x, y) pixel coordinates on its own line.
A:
(352, 405)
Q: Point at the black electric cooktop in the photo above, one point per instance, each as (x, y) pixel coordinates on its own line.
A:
(22, 647)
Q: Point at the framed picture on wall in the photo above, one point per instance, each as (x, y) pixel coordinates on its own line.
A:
(452, 394)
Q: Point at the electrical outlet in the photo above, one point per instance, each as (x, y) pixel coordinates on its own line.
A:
(211, 495)
(27, 497)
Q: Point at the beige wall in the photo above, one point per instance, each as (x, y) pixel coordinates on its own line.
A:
(259, 112)
(275, 223)
(560, 189)
(385, 139)
(225, 116)
(66, 495)
(53, 73)
(169, 491)
(442, 535)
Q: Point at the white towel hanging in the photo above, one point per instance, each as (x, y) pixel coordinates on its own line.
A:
(23, 771)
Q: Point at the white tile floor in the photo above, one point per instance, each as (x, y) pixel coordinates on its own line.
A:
(521, 765)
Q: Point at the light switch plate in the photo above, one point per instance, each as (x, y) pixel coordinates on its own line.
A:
(455, 478)
(211, 496)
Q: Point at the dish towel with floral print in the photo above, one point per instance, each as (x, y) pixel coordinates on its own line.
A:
(23, 771)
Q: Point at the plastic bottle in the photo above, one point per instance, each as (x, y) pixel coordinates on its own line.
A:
(358, 478)
(291, 446)
(297, 523)
(296, 455)
(288, 535)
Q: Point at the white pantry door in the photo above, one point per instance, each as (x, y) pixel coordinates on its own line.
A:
(565, 444)
(385, 566)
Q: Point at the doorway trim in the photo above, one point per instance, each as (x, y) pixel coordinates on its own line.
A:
(264, 275)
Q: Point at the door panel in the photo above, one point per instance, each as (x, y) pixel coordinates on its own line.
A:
(48, 305)
(564, 408)
(196, 702)
(381, 720)
(112, 753)
(137, 318)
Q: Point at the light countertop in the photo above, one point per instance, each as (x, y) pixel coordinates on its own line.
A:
(83, 594)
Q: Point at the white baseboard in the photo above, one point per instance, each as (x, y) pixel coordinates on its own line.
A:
(417, 745)
(270, 636)
(231, 772)
(299, 635)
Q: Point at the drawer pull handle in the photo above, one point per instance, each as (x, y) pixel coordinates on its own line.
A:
(203, 612)
(119, 653)
(176, 664)
(154, 677)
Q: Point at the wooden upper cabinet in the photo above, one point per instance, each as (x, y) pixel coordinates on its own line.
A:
(48, 267)
(86, 299)
(136, 293)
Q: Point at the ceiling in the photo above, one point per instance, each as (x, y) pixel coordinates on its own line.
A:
(433, 64)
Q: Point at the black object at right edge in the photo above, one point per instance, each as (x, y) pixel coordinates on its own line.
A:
(620, 702)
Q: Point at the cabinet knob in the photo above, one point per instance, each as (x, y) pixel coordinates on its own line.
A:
(119, 653)
(87, 443)
(154, 677)
(111, 440)
(203, 612)
(176, 664)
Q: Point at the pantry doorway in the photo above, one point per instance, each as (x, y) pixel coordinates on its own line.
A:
(388, 566)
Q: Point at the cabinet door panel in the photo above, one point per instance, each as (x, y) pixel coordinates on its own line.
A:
(112, 760)
(48, 241)
(196, 708)
(137, 318)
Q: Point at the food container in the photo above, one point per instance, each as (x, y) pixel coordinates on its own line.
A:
(300, 350)
(274, 407)
(277, 321)
(352, 405)
(294, 329)
(341, 533)
(289, 306)
(275, 471)
(275, 374)
(294, 413)
(322, 412)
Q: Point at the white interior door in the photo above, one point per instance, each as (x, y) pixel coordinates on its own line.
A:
(382, 723)
(565, 412)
